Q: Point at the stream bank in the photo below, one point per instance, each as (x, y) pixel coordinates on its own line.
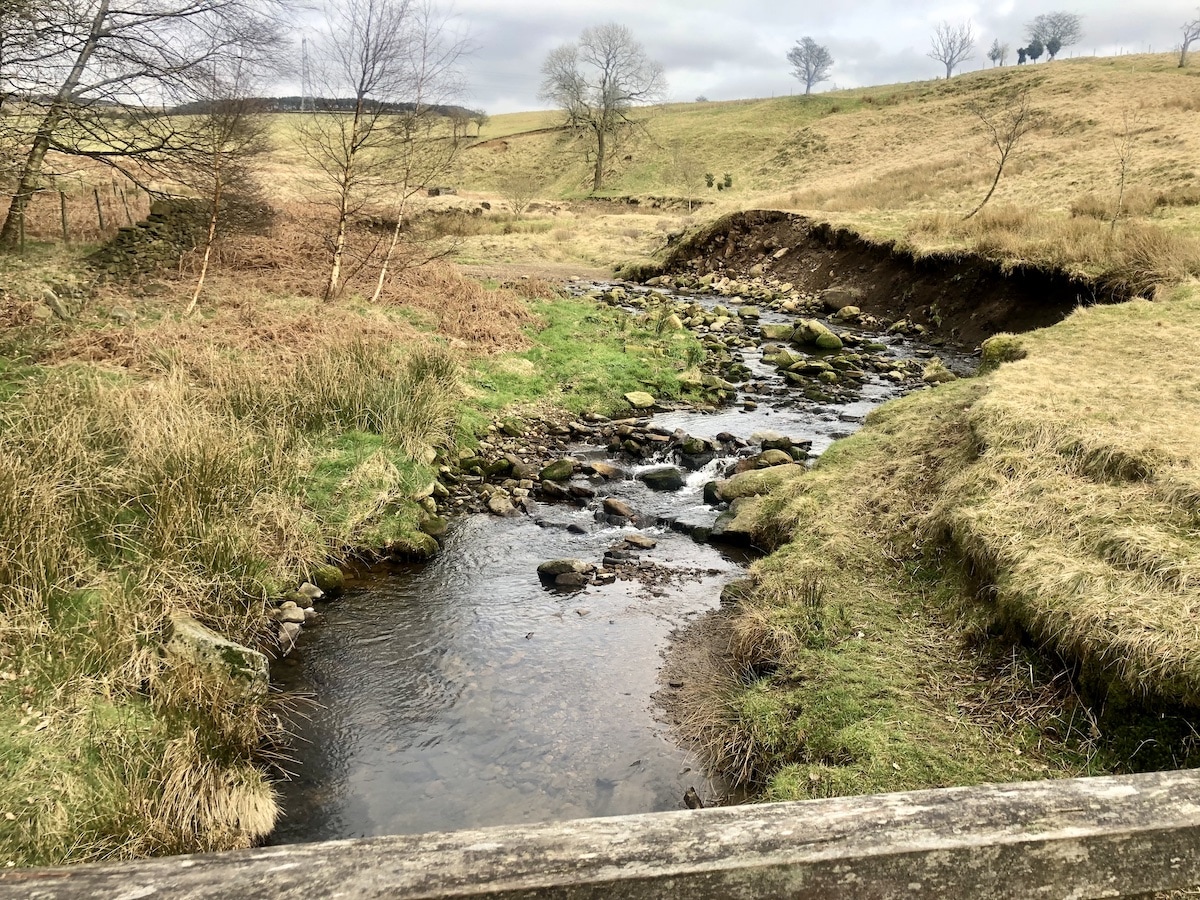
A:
(962, 297)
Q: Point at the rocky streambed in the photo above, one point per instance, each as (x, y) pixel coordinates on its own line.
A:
(511, 678)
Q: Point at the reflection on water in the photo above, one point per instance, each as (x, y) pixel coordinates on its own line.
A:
(463, 693)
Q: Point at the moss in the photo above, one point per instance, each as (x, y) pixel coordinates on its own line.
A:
(1000, 348)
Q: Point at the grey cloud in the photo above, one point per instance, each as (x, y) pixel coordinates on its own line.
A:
(729, 50)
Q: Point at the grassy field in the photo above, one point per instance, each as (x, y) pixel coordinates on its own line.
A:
(905, 162)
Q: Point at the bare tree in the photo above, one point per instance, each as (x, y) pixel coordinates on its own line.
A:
(598, 82)
(1191, 32)
(99, 77)
(389, 60)
(1004, 125)
(419, 154)
(231, 130)
(1124, 142)
(1055, 30)
(811, 62)
(520, 189)
(686, 170)
(999, 53)
(479, 119)
(952, 44)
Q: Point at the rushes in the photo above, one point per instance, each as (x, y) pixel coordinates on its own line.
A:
(124, 501)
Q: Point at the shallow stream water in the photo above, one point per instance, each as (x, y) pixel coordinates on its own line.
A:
(463, 693)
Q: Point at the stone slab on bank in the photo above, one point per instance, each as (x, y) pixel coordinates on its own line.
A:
(1085, 837)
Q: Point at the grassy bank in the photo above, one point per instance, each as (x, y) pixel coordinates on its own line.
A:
(204, 466)
(992, 581)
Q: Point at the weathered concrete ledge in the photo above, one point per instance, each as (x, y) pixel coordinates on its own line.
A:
(1088, 837)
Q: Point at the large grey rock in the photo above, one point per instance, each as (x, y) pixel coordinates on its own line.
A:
(289, 633)
(216, 658)
(639, 399)
(500, 505)
(840, 296)
(310, 591)
(668, 478)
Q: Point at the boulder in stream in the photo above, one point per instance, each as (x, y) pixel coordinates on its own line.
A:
(559, 470)
(667, 478)
(736, 525)
(615, 507)
(756, 481)
(551, 569)
(500, 505)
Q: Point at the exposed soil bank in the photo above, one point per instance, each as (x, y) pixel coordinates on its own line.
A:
(962, 297)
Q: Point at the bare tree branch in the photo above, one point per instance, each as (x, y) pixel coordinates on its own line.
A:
(1004, 126)
(97, 78)
(1191, 32)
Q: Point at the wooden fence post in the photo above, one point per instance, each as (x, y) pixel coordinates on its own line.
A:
(99, 208)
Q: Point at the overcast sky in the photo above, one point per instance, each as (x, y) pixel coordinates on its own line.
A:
(730, 50)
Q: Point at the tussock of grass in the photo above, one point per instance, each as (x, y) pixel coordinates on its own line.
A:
(622, 355)
(1054, 497)
(124, 500)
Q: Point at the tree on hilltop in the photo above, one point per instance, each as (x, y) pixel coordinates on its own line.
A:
(952, 44)
(597, 82)
(811, 62)
(1055, 30)
(999, 53)
(1191, 32)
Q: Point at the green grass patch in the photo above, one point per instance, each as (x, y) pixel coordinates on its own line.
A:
(585, 357)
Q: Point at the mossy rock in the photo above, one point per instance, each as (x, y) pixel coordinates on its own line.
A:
(640, 399)
(559, 470)
(434, 526)
(757, 481)
(329, 579)
(414, 546)
(1001, 348)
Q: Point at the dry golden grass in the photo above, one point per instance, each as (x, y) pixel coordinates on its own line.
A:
(1132, 254)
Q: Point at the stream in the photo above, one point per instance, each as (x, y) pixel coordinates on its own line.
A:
(464, 692)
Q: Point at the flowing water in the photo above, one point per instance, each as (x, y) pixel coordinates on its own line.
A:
(462, 692)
